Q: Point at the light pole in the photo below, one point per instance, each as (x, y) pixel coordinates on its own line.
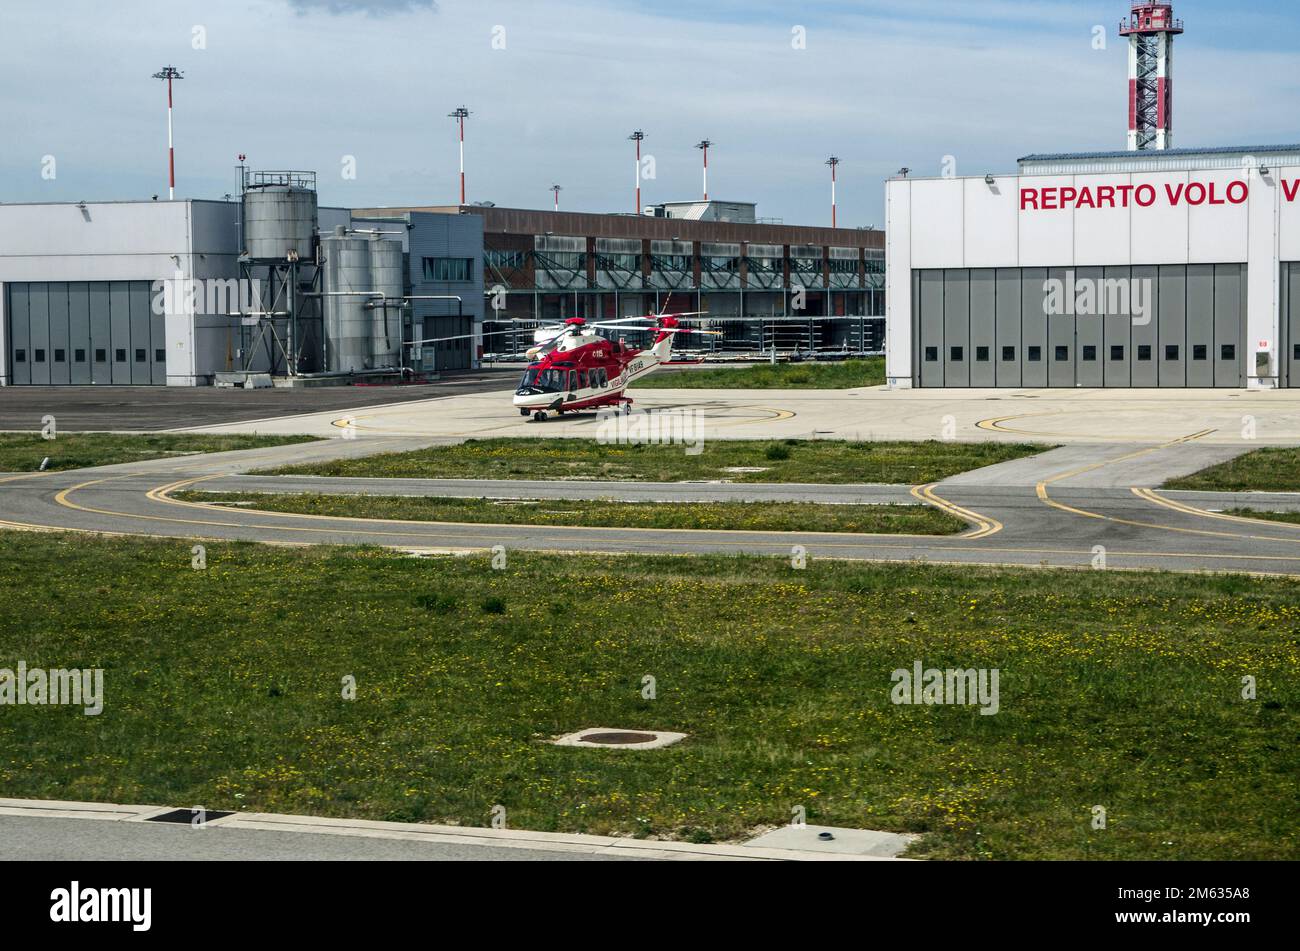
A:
(557, 189)
(704, 146)
(638, 136)
(460, 114)
(170, 73)
(833, 162)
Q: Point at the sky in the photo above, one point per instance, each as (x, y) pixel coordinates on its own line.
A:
(359, 91)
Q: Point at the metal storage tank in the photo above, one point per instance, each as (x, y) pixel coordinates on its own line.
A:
(348, 322)
(387, 277)
(280, 217)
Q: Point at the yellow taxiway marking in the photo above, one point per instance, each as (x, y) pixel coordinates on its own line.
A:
(1150, 496)
(158, 494)
(161, 494)
(995, 425)
(984, 525)
(1046, 499)
(25, 475)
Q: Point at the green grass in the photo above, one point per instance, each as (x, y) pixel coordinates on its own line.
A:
(742, 516)
(23, 452)
(223, 688)
(1264, 470)
(1292, 518)
(791, 460)
(843, 375)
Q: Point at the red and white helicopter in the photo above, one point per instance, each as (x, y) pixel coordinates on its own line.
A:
(573, 368)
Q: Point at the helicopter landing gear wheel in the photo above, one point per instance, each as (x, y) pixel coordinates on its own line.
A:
(539, 416)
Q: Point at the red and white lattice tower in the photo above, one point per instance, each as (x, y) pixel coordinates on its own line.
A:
(1151, 29)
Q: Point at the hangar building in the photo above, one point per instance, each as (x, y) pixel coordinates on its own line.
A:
(1175, 268)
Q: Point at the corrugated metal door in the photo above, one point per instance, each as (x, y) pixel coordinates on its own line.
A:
(1172, 333)
(1201, 314)
(1117, 332)
(1009, 351)
(1145, 335)
(1033, 325)
(1090, 332)
(81, 354)
(983, 330)
(956, 328)
(931, 320)
(1230, 325)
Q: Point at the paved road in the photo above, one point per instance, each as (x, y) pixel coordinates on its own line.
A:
(62, 830)
(24, 838)
(1054, 521)
(159, 408)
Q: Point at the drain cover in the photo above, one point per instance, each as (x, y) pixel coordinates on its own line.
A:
(611, 738)
(186, 816)
(614, 739)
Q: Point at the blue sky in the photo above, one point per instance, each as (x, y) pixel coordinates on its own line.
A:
(313, 83)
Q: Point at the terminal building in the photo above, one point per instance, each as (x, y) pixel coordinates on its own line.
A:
(1164, 268)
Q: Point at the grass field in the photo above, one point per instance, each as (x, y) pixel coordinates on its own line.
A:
(819, 461)
(223, 687)
(23, 452)
(844, 375)
(1264, 470)
(739, 516)
(1292, 518)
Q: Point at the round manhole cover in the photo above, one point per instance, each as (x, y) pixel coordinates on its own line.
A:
(613, 739)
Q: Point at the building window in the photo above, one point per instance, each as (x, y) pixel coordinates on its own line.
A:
(1295, 351)
(140, 355)
(506, 260)
(958, 354)
(38, 356)
(455, 270)
(1062, 354)
(1200, 352)
(1089, 353)
(1228, 351)
(119, 355)
(1034, 354)
(982, 354)
(160, 356)
(78, 356)
(931, 354)
(101, 356)
(1117, 352)
(20, 356)
(1008, 354)
(60, 356)
(1171, 351)
(1144, 351)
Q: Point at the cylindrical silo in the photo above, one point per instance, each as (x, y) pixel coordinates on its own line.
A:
(347, 282)
(387, 278)
(279, 219)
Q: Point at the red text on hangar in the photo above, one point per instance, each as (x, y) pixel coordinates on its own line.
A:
(1068, 197)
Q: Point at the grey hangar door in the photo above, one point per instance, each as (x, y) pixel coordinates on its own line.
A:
(1170, 326)
(101, 332)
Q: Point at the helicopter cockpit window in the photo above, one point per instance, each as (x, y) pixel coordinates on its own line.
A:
(545, 381)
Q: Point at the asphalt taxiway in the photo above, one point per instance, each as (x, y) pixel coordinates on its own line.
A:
(1064, 508)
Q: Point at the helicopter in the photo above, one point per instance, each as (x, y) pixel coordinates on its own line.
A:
(573, 368)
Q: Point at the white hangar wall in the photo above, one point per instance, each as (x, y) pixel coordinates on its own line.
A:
(1218, 216)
